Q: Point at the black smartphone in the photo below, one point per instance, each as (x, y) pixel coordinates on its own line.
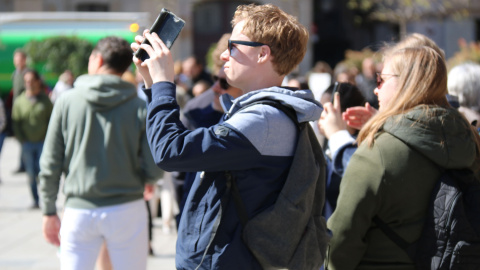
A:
(335, 89)
(167, 26)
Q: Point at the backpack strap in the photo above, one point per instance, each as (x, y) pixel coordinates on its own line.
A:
(409, 248)
(239, 205)
(290, 112)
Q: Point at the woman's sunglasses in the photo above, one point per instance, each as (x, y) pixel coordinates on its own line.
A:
(223, 82)
(380, 80)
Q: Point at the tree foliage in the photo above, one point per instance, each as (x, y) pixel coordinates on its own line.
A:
(392, 10)
(56, 54)
(355, 58)
(469, 52)
(403, 11)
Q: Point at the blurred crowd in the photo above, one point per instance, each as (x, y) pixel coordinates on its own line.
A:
(352, 104)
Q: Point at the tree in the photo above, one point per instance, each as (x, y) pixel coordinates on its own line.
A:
(403, 11)
(469, 52)
(56, 54)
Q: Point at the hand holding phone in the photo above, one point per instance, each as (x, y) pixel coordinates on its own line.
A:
(335, 89)
(331, 120)
(167, 26)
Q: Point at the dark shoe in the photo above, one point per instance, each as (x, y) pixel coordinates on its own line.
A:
(150, 250)
(19, 170)
(35, 206)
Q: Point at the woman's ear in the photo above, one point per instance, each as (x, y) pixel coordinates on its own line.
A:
(265, 54)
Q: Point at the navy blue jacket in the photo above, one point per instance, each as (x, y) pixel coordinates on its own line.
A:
(342, 146)
(256, 145)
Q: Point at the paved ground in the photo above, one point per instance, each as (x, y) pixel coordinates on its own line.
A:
(22, 245)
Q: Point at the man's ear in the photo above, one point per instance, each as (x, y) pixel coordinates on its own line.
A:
(99, 65)
(100, 60)
(265, 54)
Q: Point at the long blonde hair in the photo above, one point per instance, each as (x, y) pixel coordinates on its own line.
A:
(414, 40)
(422, 79)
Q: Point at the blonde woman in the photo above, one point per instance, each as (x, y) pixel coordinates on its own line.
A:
(392, 173)
(356, 117)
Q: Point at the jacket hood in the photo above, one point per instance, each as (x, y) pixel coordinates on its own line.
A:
(104, 92)
(302, 101)
(442, 135)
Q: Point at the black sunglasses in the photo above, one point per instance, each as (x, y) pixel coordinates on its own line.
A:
(243, 42)
(223, 82)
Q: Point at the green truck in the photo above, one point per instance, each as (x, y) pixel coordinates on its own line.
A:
(18, 28)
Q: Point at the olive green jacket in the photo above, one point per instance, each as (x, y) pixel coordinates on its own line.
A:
(30, 117)
(394, 179)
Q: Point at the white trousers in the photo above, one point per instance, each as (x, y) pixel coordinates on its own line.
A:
(123, 227)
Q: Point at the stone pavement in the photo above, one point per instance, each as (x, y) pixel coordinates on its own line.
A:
(22, 246)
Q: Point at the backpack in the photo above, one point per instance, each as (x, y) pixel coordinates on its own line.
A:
(290, 234)
(451, 234)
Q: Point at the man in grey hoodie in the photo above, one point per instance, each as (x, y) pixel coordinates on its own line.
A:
(96, 136)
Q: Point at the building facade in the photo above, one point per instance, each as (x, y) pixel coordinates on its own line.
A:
(331, 24)
(206, 20)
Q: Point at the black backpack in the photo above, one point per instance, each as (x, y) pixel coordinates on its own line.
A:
(290, 234)
(451, 233)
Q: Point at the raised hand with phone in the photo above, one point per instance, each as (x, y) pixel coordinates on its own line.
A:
(167, 26)
(331, 120)
(159, 66)
(345, 96)
(152, 50)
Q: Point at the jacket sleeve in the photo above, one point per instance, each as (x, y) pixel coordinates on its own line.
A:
(17, 123)
(49, 108)
(3, 117)
(174, 148)
(51, 161)
(151, 173)
(357, 204)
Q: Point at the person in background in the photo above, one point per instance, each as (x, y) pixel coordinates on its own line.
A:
(366, 81)
(65, 82)
(18, 86)
(200, 87)
(97, 138)
(345, 73)
(205, 110)
(464, 83)
(103, 261)
(297, 81)
(401, 155)
(193, 71)
(341, 138)
(320, 78)
(20, 63)
(30, 116)
(3, 124)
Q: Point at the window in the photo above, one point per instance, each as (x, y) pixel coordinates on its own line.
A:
(92, 7)
(477, 28)
(211, 21)
(6, 5)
